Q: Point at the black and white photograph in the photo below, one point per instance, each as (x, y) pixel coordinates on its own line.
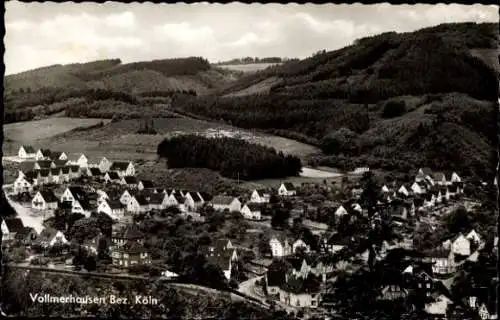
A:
(250, 161)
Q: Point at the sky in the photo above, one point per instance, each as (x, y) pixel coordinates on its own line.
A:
(47, 33)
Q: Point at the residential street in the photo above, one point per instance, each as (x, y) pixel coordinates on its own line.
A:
(249, 288)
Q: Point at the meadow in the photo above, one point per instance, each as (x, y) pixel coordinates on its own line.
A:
(252, 67)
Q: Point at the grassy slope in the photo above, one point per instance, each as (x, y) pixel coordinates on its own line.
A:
(451, 65)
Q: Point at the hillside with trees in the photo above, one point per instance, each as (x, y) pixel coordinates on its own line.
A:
(427, 97)
(233, 158)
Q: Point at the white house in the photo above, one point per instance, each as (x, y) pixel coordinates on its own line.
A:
(42, 154)
(10, 227)
(114, 209)
(123, 168)
(104, 165)
(439, 307)
(138, 204)
(300, 244)
(455, 177)
(226, 203)
(287, 189)
(73, 193)
(26, 152)
(169, 274)
(260, 196)
(193, 200)
(417, 188)
(50, 237)
(424, 174)
(83, 161)
(385, 189)
(341, 211)
(22, 184)
(81, 207)
(174, 200)
(251, 211)
(404, 191)
(280, 248)
(461, 246)
(44, 200)
(443, 261)
(473, 236)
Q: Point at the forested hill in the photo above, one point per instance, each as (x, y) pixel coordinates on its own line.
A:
(391, 100)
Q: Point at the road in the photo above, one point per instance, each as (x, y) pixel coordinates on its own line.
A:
(27, 216)
(249, 288)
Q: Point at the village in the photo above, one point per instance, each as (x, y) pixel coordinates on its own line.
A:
(301, 253)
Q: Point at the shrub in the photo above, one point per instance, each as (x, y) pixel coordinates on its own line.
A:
(393, 109)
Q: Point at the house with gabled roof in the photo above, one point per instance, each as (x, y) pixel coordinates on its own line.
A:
(455, 177)
(422, 173)
(56, 175)
(275, 276)
(26, 236)
(23, 184)
(9, 227)
(94, 172)
(130, 254)
(439, 178)
(44, 200)
(223, 203)
(58, 155)
(287, 189)
(224, 262)
(156, 201)
(300, 244)
(43, 154)
(461, 246)
(113, 208)
(123, 168)
(73, 193)
(123, 233)
(251, 211)
(145, 184)
(174, 200)
(82, 206)
(26, 152)
(473, 236)
(83, 161)
(50, 237)
(44, 164)
(260, 196)
(104, 165)
(341, 211)
(280, 247)
(443, 261)
(138, 204)
(193, 200)
(112, 177)
(74, 172)
(301, 293)
(334, 243)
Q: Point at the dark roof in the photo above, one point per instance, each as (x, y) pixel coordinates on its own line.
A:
(119, 166)
(438, 176)
(27, 166)
(130, 180)
(74, 168)
(221, 261)
(206, 196)
(195, 196)
(44, 172)
(289, 186)
(129, 232)
(427, 171)
(30, 175)
(55, 171)
(45, 152)
(147, 184)
(85, 204)
(132, 247)
(337, 239)
(44, 164)
(48, 195)
(95, 171)
(142, 200)
(222, 200)
(24, 232)
(78, 192)
(113, 175)
(179, 197)
(47, 234)
(14, 224)
(65, 170)
(60, 163)
(115, 204)
(29, 149)
(298, 285)
(55, 154)
(156, 198)
(65, 205)
(254, 206)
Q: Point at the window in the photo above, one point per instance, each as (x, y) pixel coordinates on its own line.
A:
(428, 285)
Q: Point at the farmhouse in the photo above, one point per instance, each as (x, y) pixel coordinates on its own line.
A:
(104, 165)
(251, 211)
(10, 227)
(130, 254)
(26, 152)
(226, 203)
(287, 189)
(50, 237)
(112, 177)
(260, 196)
(44, 200)
(123, 168)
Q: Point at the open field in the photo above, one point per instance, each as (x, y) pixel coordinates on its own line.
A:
(247, 67)
(30, 131)
(118, 140)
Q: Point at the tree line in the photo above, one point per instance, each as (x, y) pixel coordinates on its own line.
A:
(233, 158)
